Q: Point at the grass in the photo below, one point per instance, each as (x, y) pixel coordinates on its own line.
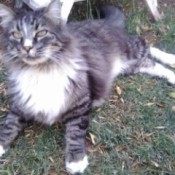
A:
(132, 134)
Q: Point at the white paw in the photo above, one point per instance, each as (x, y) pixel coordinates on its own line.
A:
(171, 57)
(171, 80)
(2, 150)
(77, 167)
(171, 77)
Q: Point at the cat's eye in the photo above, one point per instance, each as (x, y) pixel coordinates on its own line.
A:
(17, 35)
(42, 33)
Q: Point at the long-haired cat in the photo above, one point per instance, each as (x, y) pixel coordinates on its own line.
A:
(57, 72)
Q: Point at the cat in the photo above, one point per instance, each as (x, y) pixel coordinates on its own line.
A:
(57, 71)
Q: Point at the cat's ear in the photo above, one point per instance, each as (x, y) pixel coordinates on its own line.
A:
(6, 15)
(53, 11)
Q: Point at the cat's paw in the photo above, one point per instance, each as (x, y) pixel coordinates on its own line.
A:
(77, 167)
(171, 80)
(2, 150)
(171, 77)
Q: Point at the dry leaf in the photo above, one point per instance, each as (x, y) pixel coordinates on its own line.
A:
(149, 104)
(98, 110)
(155, 164)
(118, 90)
(123, 166)
(122, 100)
(172, 94)
(28, 135)
(145, 28)
(92, 137)
(138, 31)
(160, 127)
(51, 159)
(173, 108)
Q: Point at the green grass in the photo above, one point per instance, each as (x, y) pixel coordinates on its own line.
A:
(134, 133)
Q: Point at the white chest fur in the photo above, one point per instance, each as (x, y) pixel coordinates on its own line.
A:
(44, 92)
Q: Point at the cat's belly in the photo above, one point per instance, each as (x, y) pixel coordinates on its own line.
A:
(42, 95)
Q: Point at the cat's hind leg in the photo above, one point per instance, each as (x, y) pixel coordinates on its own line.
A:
(156, 69)
(162, 56)
(11, 128)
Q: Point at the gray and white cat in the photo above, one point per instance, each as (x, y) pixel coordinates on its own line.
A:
(57, 72)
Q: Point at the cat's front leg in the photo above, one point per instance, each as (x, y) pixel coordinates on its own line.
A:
(76, 153)
(11, 128)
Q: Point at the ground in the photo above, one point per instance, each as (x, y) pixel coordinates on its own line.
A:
(132, 134)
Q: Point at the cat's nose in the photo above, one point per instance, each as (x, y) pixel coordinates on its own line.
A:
(27, 45)
(27, 48)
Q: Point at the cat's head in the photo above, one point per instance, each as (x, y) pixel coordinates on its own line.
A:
(32, 37)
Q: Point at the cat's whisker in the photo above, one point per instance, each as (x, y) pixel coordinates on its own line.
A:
(9, 57)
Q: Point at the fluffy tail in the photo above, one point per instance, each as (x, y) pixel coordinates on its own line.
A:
(113, 15)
